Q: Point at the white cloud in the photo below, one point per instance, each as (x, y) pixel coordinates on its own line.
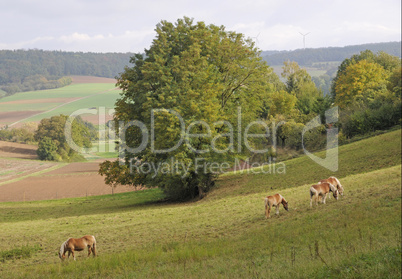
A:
(126, 25)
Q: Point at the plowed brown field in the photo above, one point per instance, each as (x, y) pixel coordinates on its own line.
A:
(23, 178)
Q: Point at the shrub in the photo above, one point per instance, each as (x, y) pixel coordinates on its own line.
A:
(47, 149)
(368, 120)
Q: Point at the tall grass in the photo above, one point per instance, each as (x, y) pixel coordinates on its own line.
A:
(19, 253)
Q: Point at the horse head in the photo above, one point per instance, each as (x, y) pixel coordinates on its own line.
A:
(61, 256)
(336, 194)
(285, 204)
(338, 185)
(340, 190)
(334, 191)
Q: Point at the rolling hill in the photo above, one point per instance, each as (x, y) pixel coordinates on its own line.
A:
(225, 234)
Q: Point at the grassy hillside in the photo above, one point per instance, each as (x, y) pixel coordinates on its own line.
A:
(226, 234)
(378, 152)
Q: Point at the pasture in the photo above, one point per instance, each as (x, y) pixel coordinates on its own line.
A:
(225, 234)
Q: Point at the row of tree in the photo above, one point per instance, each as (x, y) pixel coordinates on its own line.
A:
(36, 82)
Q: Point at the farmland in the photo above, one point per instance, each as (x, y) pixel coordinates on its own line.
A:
(225, 234)
(84, 93)
(24, 178)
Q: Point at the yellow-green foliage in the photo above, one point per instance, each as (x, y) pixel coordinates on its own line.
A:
(360, 82)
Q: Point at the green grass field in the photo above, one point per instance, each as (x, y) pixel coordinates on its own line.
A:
(89, 95)
(225, 235)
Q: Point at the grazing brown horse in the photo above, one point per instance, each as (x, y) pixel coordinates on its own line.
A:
(78, 244)
(322, 189)
(334, 181)
(274, 200)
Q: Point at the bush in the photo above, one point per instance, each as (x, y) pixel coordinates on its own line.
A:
(290, 134)
(25, 134)
(369, 120)
(47, 149)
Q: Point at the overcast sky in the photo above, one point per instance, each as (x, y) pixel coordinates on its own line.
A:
(128, 25)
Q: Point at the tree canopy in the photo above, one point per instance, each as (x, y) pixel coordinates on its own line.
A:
(193, 84)
(365, 77)
(52, 142)
(360, 82)
(299, 83)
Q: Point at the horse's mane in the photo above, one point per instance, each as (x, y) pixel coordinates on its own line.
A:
(63, 246)
(337, 181)
(332, 187)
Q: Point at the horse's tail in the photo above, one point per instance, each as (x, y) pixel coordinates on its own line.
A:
(312, 191)
(94, 246)
(266, 202)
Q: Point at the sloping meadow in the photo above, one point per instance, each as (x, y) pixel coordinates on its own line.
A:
(225, 234)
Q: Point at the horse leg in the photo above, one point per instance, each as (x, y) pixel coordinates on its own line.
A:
(269, 211)
(313, 195)
(324, 197)
(89, 250)
(72, 252)
(69, 253)
(277, 209)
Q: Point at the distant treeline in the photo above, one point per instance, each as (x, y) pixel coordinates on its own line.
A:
(24, 70)
(35, 82)
(309, 56)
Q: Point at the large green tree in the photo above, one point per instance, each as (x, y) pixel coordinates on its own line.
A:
(194, 92)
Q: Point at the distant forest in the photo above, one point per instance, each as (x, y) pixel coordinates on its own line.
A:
(26, 70)
(309, 56)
